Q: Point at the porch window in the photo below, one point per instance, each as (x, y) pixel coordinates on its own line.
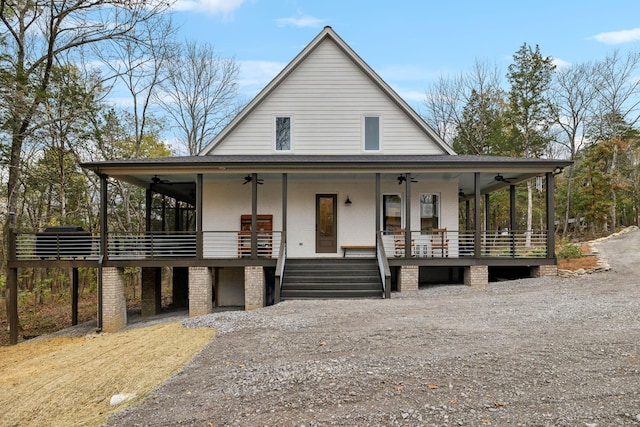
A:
(283, 133)
(429, 212)
(391, 212)
(372, 133)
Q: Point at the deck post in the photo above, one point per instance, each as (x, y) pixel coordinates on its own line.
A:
(284, 201)
(103, 217)
(378, 221)
(74, 296)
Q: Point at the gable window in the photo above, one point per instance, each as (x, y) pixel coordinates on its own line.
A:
(429, 212)
(283, 133)
(372, 133)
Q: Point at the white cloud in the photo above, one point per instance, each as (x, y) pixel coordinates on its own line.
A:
(560, 63)
(303, 21)
(617, 37)
(224, 7)
(254, 75)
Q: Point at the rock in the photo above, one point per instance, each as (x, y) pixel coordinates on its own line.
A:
(117, 399)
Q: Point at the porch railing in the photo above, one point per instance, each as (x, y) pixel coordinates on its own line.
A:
(131, 246)
(455, 244)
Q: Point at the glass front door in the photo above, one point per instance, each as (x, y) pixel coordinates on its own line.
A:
(326, 223)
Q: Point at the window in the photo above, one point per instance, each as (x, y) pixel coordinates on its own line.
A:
(429, 212)
(391, 212)
(372, 133)
(283, 133)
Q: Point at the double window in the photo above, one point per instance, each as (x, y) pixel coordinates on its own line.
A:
(283, 133)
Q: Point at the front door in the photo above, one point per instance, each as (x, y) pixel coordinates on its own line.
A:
(326, 223)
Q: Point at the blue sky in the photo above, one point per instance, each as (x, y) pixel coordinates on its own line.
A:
(409, 43)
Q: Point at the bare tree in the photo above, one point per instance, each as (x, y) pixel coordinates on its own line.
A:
(42, 34)
(445, 101)
(617, 107)
(573, 94)
(199, 94)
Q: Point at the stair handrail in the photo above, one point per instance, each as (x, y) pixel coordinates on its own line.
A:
(282, 257)
(383, 265)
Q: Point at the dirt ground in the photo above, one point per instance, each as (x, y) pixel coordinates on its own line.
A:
(535, 352)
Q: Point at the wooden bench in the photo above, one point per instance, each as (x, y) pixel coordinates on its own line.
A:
(345, 248)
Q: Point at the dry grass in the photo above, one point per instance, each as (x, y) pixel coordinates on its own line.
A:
(67, 381)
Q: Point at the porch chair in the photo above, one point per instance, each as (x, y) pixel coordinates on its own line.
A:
(399, 243)
(439, 242)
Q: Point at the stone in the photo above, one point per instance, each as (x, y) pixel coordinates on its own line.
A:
(117, 399)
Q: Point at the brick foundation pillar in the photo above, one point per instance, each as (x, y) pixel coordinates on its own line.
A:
(409, 277)
(253, 288)
(544, 271)
(200, 291)
(114, 301)
(151, 291)
(476, 275)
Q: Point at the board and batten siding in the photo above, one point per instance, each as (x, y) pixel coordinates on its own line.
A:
(327, 96)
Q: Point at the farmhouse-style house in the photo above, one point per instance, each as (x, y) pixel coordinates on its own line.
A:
(326, 185)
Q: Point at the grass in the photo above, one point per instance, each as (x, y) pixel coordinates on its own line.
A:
(64, 381)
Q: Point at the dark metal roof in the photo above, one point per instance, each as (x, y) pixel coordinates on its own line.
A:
(276, 161)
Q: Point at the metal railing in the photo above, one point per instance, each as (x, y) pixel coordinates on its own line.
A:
(57, 246)
(133, 245)
(455, 244)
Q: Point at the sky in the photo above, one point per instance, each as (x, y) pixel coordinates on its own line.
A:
(410, 44)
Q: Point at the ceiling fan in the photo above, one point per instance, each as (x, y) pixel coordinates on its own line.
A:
(403, 178)
(501, 178)
(156, 180)
(249, 178)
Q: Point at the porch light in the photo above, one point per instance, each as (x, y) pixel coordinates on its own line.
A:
(557, 170)
(348, 201)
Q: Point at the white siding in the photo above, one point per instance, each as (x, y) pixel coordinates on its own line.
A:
(327, 96)
(226, 199)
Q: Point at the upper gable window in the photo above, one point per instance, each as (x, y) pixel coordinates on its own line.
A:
(372, 133)
(283, 133)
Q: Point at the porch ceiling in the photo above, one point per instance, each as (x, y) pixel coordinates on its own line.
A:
(179, 173)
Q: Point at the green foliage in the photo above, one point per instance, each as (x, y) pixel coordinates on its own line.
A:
(570, 251)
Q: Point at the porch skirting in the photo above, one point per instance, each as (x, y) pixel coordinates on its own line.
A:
(114, 302)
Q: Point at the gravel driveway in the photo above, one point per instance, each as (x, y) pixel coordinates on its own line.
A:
(535, 352)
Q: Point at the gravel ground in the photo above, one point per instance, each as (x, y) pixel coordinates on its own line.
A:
(535, 352)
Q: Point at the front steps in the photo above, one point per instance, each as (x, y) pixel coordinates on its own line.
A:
(331, 278)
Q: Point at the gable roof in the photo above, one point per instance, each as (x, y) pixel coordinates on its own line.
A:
(325, 34)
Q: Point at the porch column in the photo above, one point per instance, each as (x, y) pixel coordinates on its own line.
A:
(467, 210)
(103, 217)
(409, 278)
(551, 206)
(512, 218)
(148, 201)
(285, 178)
(151, 291)
(254, 215)
(200, 291)
(199, 231)
(114, 312)
(487, 212)
(378, 221)
(407, 228)
(477, 234)
(253, 287)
